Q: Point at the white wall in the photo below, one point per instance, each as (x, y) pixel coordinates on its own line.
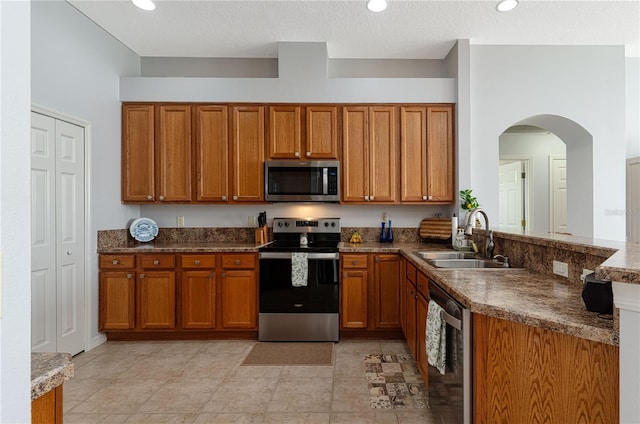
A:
(76, 70)
(584, 84)
(633, 106)
(15, 328)
(539, 146)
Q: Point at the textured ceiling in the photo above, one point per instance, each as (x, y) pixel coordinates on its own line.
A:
(423, 29)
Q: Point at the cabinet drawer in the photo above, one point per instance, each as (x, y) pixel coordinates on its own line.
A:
(411, 272)
(354, 261)
(117, 261)
(423, 285)
(198, 261)
(239, 261)
(158, 261)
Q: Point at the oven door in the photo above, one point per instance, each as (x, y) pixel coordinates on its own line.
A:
(278, 295)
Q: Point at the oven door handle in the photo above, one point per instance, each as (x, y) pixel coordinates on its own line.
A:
(287, 255)
(449, 319)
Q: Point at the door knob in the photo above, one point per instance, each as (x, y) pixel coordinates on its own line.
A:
(197, 262)
(156, 262)
(161, 197)
(149, 197)
(116, 262)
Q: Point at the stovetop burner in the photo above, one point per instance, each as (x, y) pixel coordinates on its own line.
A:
(320, 234)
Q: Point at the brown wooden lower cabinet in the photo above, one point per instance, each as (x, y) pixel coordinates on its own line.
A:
(525, 374)
(196, 295)
(422, 307)
(47, 409)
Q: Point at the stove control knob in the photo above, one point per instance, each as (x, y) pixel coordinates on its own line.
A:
(326, 224)
(333, 224)
(279, 224)
(286, 224)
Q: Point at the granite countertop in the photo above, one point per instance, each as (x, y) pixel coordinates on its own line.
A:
(517, 294)
(193, 247)
(48, 371)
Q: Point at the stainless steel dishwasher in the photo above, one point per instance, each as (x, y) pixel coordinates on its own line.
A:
(450, 393)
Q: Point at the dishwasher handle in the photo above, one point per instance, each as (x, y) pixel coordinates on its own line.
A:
(451, 320)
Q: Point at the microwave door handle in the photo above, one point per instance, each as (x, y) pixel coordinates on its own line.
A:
(325, 180)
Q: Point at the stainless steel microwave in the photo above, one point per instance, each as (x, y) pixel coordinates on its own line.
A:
(302, 181)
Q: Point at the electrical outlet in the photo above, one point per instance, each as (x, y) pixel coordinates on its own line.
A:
(585, 272)
(561, 268)
(385, 216)
(180, 221)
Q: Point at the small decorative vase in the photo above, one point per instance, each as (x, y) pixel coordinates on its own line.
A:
(389, 233)
(383, 235)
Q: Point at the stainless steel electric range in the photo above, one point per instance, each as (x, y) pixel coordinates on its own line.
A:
(299, 292)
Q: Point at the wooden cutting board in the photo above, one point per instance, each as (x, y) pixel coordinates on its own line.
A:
(435, 228)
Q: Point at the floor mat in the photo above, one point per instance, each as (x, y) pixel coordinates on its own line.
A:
(395, 382)
(284, 353)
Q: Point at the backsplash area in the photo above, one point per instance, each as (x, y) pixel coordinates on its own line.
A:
(538, 253)
(239, 235)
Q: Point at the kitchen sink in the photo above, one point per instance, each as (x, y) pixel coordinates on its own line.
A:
(445, 255)
(465, 263)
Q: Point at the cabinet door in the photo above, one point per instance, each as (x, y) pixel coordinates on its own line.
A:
(355, 154)
(413, 154)
(117, 300)
(173, 148)
(157, 299)
(198, 299)
(403, 296)
(212, 153)
(411, 318)
(138, 165)
(285, 132)
(239, 299)
(386, 285)
(383, 147)
(354, 299)
(422, 306)
(248, 153)
(321, 132)
(440, 159)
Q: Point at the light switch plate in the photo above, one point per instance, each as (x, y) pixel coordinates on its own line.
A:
(561, 268)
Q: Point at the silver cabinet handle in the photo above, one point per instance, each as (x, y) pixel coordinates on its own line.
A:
(69, 252)
(116, 262)
(366, 198)
(142, 276)
(161, 197)
(235, 197)
(149, 197)
(377, 259)
(424, 197)
(237, 262)
(371, 198)
(197, 262)
(297, 154)
(129, 275)
(308, 154)
(224, 197)
(354, 262)
(156, 262)
(223, 275)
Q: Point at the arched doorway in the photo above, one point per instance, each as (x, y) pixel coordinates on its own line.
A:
(579, 178)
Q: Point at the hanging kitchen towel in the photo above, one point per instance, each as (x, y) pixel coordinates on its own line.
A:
(436, 337)
(299, 269)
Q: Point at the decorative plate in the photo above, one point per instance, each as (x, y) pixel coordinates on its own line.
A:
(143, 229)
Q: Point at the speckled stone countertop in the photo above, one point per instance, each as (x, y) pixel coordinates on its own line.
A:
(517, 294)
(193, 247)
(48, 371)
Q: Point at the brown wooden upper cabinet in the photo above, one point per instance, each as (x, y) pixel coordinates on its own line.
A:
(369, 154)
(212, 153)
(247, 147)
(156, 153)
(287, 124)
(426, 154)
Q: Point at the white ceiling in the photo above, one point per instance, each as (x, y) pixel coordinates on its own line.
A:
(423, 29)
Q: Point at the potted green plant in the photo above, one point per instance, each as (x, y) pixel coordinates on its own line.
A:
(467, 200)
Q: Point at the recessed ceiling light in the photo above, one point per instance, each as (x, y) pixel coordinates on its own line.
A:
(144, 4)
(506, 5)
(376, 5)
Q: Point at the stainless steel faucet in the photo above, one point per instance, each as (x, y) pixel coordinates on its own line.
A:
(468, 229)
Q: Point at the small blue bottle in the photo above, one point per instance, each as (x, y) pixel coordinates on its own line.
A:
(383, 234)
(389, 233)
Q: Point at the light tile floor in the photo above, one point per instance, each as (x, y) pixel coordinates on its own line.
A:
(202, 382)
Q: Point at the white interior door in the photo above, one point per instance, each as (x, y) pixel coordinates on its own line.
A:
(57, 190)
(558, 191)
(510, 196)
(43, 234)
